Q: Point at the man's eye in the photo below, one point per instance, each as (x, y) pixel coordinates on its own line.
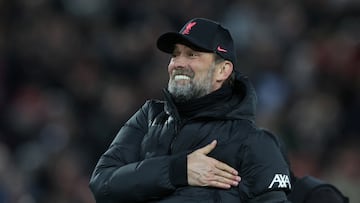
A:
(173, 55)
(193, 54)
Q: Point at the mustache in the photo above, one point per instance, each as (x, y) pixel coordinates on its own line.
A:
(187, 72)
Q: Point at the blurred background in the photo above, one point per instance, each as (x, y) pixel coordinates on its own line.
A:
(73, 71)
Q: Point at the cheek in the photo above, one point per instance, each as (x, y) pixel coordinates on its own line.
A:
(170, 67)
(170, 70)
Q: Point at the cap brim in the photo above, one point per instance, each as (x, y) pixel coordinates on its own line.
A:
(167, 41)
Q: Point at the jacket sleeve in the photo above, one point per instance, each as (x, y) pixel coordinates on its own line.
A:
(120, 175)
(264, 170)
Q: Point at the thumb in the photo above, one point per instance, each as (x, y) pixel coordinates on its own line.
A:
(208, 148)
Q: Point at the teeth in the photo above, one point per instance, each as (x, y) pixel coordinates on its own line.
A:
(181, 77)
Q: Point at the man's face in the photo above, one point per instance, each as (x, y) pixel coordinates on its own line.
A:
(191, 73)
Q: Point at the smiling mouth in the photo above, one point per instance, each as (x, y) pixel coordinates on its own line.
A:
(181, 77)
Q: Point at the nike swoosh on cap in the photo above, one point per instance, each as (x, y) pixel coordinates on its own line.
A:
(221, 49)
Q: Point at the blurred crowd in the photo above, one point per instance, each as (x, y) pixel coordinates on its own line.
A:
(73, 71)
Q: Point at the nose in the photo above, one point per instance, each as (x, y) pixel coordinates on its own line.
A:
(178, 62)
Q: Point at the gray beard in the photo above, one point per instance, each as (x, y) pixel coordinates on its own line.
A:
(193, 89)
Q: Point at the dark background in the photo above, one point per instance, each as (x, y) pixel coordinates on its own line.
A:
(73, 71)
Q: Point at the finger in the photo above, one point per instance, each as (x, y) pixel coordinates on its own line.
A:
(228, 181)
(221, 179)
(220, 185)
(208, 148)
(227, 177)
(224, 167)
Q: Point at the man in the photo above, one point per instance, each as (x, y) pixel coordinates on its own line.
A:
(309, 189)
(193, 146)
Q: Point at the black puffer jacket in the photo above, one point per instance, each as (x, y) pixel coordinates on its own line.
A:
(146, 162)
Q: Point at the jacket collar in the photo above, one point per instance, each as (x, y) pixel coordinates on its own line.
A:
(242, 104)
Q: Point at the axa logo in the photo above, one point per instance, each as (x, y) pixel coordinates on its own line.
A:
(188, 28)
(280, 181)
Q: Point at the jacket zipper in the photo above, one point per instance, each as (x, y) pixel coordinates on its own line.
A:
(177, 126)
(176, 129)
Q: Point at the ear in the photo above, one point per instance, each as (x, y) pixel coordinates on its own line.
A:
(224, 71)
